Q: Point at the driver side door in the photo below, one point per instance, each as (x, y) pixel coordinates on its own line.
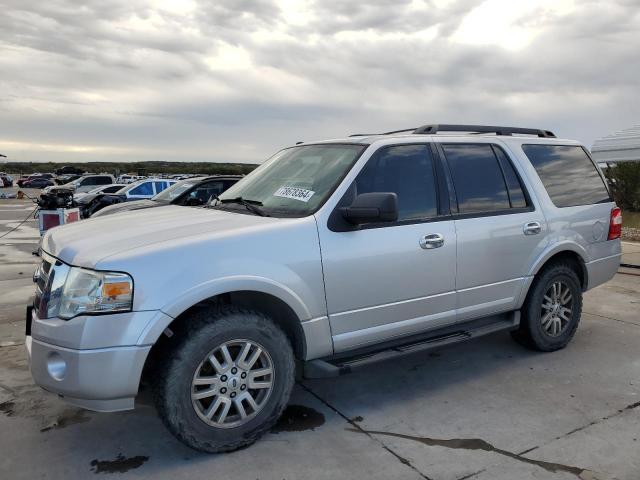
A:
(384, 281)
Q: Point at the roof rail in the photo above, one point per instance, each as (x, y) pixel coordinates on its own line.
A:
(385, 133)
(474, 129)
(431, 129)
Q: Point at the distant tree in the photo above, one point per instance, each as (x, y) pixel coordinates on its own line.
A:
(204, 168)
(624, 180)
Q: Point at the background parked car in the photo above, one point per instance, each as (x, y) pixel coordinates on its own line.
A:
(191, 192)
(69, 170)
(112, 188)
(64, 179)
(6, 181)
(126, 179)
(143, 189)
(25, 178)
(89, 182)
(37, 182)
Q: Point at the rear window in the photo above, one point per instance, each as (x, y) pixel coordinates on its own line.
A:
(103, 181)
(568, 174)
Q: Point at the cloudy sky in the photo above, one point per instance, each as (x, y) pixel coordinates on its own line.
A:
(235, 80)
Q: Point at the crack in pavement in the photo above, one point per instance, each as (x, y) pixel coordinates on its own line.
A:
(357, 428)
(584, 427)
(611, 318)
(479, 444)
(7, 389)
(471, 475)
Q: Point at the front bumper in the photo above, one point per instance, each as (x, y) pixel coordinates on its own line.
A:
(94, 362)
(104, 379)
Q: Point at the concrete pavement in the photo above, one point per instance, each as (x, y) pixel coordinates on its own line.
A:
(487, 409)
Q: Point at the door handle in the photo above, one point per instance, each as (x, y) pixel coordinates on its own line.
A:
(433, 240)
(532, 228)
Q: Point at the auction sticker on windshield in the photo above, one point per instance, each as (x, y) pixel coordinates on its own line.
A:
(294, 193)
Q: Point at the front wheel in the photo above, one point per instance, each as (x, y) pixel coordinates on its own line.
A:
(227, 381)
(551, 313)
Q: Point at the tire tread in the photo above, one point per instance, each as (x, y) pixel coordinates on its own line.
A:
(200, 323)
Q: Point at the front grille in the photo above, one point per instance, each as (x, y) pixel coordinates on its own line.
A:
(49, 279)
(43, 288)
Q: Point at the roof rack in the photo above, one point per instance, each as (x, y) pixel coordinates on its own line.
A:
(429, 129)
(473, 129)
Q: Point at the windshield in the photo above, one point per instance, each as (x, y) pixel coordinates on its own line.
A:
(174, 191)
(296, 181)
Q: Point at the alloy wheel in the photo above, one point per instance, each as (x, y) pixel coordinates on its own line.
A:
(557, 308)
(232, 384)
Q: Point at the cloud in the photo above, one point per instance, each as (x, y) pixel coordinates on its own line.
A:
(235, 80)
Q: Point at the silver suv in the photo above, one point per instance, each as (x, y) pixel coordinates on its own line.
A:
(328, 256)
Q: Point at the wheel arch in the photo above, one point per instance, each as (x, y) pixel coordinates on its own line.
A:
(163, 335)
(568, 253)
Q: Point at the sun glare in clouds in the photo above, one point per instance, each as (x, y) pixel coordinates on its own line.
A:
(229, 57)
(509, 24)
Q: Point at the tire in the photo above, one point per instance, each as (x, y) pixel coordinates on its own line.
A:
(207, 332)
(536, 330)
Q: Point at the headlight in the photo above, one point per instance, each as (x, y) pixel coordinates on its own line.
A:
(88, 291)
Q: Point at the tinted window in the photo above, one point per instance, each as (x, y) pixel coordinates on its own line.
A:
(516, 193)
(406, 170)
(142, 189)
(477, 178)
(112, 189)
(103, 180)
(206, 191)
(568, 174)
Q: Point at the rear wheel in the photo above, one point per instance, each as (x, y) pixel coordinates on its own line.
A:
(551, 313)
(227, 381)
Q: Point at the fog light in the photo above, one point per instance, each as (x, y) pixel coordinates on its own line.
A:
(56, 366)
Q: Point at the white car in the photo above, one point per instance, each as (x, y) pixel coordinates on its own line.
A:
(127, 179)
(113, 188)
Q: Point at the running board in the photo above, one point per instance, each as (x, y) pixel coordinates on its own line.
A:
(333, 367)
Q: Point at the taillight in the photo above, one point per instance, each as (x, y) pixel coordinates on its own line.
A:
(615, 224)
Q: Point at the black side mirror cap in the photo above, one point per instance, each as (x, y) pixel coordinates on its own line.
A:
(372, 208)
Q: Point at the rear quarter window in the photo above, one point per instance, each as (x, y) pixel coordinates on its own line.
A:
(568, 174)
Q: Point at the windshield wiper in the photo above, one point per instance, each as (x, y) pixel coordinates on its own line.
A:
(251, 205)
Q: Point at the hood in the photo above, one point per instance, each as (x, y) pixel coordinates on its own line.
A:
(84, 198)
(127, 206)
(87, 242)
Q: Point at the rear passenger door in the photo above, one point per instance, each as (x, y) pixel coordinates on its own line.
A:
(499, 230)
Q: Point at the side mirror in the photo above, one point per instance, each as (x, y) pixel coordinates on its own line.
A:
(372, 208)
